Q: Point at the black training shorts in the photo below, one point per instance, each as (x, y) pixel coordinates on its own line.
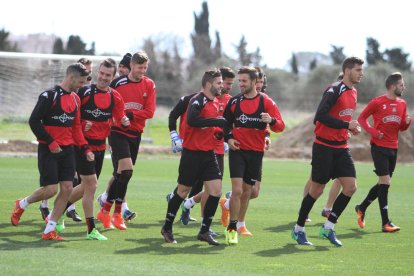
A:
(85, 167)
(246, 164)
(55, 167)
(385, 160)
(329, 163)
(123, 146)
(197, 166)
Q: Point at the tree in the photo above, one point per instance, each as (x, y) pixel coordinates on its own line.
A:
(217, 48)
(373, 54)
(154, 69)
(294, 64)
(91, 51)
(337, 54)
(5, 44)
(201, 38)
(76, 46)
(398, 58)
(313, 64)
(245, 58)
(58, 46)
(257, 57)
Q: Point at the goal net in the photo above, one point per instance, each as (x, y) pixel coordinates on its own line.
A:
(24, 76)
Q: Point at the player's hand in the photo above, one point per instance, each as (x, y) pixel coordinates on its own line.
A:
(88, 126)
(233, 144)
(266, 118)
(268, 142)
(380, 135)
(54, 147)
(356, 130)
(408, 119)
(354, 127)
(125, 121)
(226, 147)
(176, 142)
(90, 156)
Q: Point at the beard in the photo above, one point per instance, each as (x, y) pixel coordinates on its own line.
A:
(398, 93)
(215, 92)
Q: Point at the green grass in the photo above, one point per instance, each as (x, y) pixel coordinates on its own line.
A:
(156, 130)
(271, 251)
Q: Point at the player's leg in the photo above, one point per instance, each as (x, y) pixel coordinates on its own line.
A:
(48, 170)
(333, 193)
(344, 170)
(322, 160)
(187, 175)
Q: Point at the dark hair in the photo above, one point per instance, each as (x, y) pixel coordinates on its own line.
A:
(85, 61)
(251, 71)
(77, 69)
(226, 72)
(262, 75)
(126, 60)
(209, 76)
(140, 57)
(350, 62)
(340, 77)
(393, 79)
(109, 63)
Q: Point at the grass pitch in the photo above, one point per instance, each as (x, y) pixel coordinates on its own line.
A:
(141, 249)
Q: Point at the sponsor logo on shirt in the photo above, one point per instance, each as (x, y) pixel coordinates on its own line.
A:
(97, 112)
(391, 118)
(132, 105)
(346, 112)
(63, 118)
(244, 119)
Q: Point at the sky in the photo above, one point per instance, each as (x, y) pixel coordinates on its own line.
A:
(278, 28)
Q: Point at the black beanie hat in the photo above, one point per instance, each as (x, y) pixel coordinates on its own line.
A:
(126, 60)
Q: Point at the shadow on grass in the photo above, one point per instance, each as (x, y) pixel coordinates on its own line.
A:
(281, 228)
(7, 244)
(158, 246)
(136, 224)
(8, 230)
(291, 249)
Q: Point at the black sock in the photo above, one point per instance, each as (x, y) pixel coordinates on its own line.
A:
(90, 222)
(67, 206)
(372, 195)
(112, 193)
(122, 184)
(209, 211)
(305, 208)
(232, 225)
(338, 207)
(383, 202)
(173, 206)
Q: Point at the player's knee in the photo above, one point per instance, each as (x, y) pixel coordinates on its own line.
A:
(254, 194)
(236, 192)
(66, 187)
(50, 191)
(125, 176)
(349, 190)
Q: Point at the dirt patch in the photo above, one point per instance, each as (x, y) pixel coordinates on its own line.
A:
(297, 143)
(23, 148)
(18, 146)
